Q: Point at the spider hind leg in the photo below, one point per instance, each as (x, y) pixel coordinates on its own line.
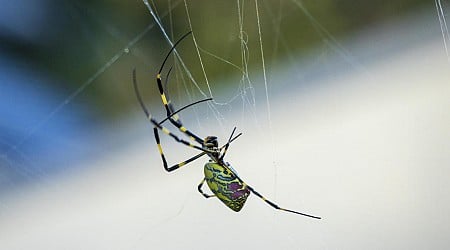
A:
(278, 207)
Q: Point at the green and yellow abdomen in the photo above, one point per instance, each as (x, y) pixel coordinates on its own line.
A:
(225, 184)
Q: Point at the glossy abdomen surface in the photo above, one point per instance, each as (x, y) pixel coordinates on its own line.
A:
(224, 183)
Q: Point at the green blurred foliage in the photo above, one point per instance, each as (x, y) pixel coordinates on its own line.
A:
(97, 30)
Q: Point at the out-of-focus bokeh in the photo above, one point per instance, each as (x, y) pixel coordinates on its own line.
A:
(71, 40)
(343, 108)
(64, 68)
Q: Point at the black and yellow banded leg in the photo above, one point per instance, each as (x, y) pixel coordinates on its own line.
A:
(175, 121)
(170, 110)
(201, 191)
(174, 136)
(158, 124)
(158, 143)
(277, 207)
(169, 102)
(176, 166)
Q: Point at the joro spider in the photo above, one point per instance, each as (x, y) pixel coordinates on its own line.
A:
(221, 178)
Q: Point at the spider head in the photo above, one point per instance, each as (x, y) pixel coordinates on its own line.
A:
(210, 143)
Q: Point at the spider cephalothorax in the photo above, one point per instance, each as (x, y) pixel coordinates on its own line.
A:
(210, 143)
(221, 178)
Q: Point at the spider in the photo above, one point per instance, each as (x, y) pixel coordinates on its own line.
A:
(221, 178)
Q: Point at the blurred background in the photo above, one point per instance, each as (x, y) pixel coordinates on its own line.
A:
(343, 106)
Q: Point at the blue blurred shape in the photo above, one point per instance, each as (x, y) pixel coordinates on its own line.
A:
(39, 134)
(35, 141)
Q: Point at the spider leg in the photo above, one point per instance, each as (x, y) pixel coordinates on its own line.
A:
(164, 98)
(173, 113)
(176, 166)
(175, 137)
(276, 206)
(157, 124)
(158, 142)
(201, 191)
(225, 147)
(169, 109)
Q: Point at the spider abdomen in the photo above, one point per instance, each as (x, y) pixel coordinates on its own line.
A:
(225, 184)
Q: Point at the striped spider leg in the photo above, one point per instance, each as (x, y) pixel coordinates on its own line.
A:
(220, 177)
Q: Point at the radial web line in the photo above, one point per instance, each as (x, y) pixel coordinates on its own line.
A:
(245, 80)
(83, 86)
(444, 27)
(216, 113)
(269, 117)
(196, 48)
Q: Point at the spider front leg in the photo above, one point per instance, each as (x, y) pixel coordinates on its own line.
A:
(156, 134)
(164, 98)
(157, 126)
(176, 166)
(169, 110)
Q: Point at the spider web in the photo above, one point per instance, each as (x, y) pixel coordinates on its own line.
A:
(441, 13)
(14, 156)
(244, 92)
(251, 95)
